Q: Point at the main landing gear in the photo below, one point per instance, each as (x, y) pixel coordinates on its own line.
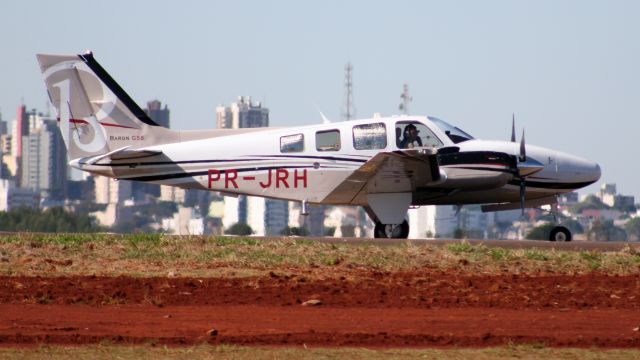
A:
(391, 231)
(389, 212)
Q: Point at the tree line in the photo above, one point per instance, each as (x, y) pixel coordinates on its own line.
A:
(49, 220)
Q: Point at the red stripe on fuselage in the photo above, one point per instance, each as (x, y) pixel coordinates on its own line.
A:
(81, 121)
(116, 125)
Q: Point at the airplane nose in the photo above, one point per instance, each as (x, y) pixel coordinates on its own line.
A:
(586, 171)
(595, 172)
(576, 171)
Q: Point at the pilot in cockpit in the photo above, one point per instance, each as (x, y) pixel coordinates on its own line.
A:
(411, 138)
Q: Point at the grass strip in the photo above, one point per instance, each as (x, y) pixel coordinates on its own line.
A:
(158, 255)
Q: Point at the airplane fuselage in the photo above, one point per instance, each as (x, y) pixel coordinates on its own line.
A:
(255, 164)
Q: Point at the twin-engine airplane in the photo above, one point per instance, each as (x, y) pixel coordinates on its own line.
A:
(384, 165)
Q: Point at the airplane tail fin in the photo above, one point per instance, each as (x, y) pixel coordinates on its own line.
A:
(96, 115)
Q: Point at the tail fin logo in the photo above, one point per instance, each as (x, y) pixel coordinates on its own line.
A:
(79, 116)
(97, 141)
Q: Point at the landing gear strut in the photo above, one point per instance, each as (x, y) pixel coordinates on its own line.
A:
(391, 231)
(558, 233)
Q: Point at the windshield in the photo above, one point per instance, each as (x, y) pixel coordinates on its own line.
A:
(455, 134)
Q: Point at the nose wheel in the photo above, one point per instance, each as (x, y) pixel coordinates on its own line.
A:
(391, 231)
(560, 233)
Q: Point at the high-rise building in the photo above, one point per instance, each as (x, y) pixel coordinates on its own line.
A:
(111, 191)
(3, 126)
(116, 195)
(19, 131)
(44, 159)
(13, 197)
(242, 114)
(265, 216)
(276, 217)
(432, 221)
(157, 113)
(141, 190)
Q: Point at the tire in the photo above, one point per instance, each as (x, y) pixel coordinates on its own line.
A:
(560, 233)
(388, 231)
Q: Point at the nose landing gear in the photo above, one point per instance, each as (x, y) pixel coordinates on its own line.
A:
(560, 233)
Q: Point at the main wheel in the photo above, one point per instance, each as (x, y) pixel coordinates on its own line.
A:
(560, 233)
(392, 231)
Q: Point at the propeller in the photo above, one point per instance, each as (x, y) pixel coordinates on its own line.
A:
(521, 159)
(513, 127)
(525, 166)
(523, 150)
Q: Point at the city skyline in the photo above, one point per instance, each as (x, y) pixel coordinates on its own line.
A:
(566, 69)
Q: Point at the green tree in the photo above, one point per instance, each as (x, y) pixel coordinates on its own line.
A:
(540, 232)
(294, 231)
(49, 220)
(329, 230)
(591, 202)
(459, 233)
(573, 225)
(606, 231)
(239, 229)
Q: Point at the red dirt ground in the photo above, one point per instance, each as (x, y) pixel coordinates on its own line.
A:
(358, 309)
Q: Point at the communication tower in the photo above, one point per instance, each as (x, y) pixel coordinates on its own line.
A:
(349, 107)
(406, 99)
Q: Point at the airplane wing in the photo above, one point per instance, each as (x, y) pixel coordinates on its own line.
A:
(533, 203)
(388, 172)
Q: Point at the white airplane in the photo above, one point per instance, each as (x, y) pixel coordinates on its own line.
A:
(384, 165)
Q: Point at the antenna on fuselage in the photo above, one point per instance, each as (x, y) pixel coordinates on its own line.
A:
(325, 119)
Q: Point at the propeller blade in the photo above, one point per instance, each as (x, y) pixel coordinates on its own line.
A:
(522, 196)
(513, 127)
(523, 152)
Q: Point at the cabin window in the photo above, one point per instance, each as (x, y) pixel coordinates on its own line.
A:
(370, 136)
(292, 143)
(328, 140)
(413, 134)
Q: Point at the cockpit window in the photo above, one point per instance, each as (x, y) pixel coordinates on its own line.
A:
(411, 134)
(454, 133)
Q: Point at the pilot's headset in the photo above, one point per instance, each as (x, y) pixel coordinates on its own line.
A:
(406, 130)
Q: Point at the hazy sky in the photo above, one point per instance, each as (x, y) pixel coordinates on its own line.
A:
(568, 69)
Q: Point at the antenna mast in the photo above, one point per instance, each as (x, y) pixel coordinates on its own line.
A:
(406, 99)
(349, 107)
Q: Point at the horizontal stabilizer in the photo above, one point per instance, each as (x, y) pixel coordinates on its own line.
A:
(517, 205)
(124, 153)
